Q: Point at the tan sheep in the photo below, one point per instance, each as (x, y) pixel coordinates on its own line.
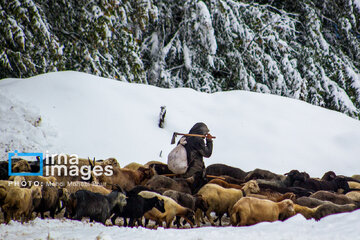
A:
(249, 211)
(307, 212)
(220, 200)
(134, 166)
(273, 196)
(354, 185)
(172, 209)
(354, 195)
(21, 166)
(20, 203)
(79, 185)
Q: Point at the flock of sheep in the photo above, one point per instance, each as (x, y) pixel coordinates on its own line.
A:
(152, 192)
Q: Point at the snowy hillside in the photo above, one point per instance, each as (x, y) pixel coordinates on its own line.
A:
(95, 117)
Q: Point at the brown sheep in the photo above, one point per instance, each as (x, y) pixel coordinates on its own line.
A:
(331, 208)
(172, 209)
(225, 184)
(20, 202)
(332, 197)
(161, 183)
(249, 211)
(309, 202)
(127, 179)
(221, 200)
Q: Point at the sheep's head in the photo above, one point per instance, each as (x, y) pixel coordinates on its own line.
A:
(146, 173)
(201, 203)
(36, 195)
(160, 205)
(251, 187)
(120, 200)
(189, 217)
(342, 184)
(112, 162)
(21, 166)
(290, 195)
(328, 176)
(287, 209)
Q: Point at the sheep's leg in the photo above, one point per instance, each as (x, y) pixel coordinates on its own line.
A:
(209, 217)
(139, 222)
(169, 220)
(220, 217)
(146, 221)
(42, 215)
(125, 222)
(113, 219)
(177, 222)
(131, 222)
(198, 215)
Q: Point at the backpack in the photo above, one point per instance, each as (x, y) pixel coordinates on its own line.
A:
(177, 158)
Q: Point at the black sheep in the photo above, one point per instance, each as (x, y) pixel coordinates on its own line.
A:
(136, 207)
(96, 206)
(4, 170)
(50, 200)
(222, 169)
(317, 185)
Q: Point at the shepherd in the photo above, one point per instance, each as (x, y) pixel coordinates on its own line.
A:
(196, 150)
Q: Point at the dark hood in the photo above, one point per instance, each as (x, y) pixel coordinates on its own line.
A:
(199, 128)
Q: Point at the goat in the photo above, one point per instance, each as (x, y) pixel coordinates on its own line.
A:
(172, 209)
(136, 207)
(186, 200)
(249, 211)
(96, 206)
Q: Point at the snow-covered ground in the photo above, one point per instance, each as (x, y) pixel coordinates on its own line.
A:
(97, 117)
